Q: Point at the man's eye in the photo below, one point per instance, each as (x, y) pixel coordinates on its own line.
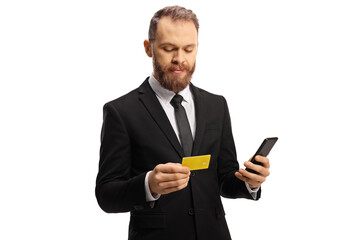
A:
(168, 49)
(189, 50)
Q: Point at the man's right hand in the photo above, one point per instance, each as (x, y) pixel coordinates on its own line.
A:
(169, 177)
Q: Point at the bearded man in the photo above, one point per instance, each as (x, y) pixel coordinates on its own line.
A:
(147, 132)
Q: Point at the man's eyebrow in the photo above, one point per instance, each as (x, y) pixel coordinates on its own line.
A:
(191, 45)
(173, 45)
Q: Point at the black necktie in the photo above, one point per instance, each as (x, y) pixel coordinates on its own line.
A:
(183, 125)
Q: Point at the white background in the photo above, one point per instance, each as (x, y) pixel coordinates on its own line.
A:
(287, 68)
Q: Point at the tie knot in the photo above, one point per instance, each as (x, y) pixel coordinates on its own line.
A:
(176, 101)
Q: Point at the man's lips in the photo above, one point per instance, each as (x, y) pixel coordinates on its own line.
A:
(177, 71)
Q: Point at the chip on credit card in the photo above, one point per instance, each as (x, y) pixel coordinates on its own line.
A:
(196, 162)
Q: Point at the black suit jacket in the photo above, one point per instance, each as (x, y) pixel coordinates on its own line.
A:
(136, 136)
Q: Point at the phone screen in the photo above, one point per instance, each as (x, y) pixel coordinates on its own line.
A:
(263, 150)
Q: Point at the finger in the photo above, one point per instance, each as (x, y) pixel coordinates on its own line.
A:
(167, 177)
(252, 176)
(251, 183)
(174, 189)
(172, 168)
(239, 176)
(264, 160)
(258, 168)
(176, 183)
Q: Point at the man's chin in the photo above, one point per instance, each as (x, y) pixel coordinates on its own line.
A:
(175, 83)
(179, 78)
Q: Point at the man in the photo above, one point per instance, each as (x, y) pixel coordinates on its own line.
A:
(148, 131)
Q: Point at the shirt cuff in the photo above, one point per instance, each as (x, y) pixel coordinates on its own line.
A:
(150, 197)
(253, 192)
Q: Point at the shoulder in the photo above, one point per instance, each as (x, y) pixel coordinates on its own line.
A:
(208, 96)
(122, 100)
(128, 100)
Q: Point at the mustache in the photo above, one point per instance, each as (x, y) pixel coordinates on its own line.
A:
(180, 67)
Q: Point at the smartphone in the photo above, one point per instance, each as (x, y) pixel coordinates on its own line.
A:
(263, 150)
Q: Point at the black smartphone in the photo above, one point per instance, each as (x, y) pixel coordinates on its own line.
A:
(263, 150)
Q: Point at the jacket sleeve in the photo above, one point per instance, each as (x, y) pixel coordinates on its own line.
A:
(230, 185)
(116, 189)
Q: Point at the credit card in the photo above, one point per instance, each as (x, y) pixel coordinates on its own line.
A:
(196, 162)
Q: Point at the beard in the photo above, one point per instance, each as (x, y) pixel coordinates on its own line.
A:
(168, 79)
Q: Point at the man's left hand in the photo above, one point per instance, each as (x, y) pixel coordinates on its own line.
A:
(255, 180)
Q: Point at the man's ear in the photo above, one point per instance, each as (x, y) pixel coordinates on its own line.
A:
(147, 46)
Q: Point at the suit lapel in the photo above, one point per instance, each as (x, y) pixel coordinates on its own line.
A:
(200, 114)
(150, 101)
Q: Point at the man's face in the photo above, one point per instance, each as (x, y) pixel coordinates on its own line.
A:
(174, 53)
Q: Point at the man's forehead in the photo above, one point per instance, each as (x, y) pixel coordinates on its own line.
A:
(170, 20)
(168, 29)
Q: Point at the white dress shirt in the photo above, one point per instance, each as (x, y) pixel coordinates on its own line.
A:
(164, 96)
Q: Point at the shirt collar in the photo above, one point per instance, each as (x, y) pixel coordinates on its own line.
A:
(166, 95)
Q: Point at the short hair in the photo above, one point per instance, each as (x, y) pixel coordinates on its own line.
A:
(176, 13)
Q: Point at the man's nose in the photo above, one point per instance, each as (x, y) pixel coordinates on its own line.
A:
(178, 57)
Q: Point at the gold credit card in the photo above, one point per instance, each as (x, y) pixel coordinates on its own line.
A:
(196, 162)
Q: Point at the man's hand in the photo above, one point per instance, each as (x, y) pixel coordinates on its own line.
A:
(169, 177)
(255, 180)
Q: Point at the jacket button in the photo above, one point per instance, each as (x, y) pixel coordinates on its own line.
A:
(192, 174)
(191, 212)
(138, 207)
